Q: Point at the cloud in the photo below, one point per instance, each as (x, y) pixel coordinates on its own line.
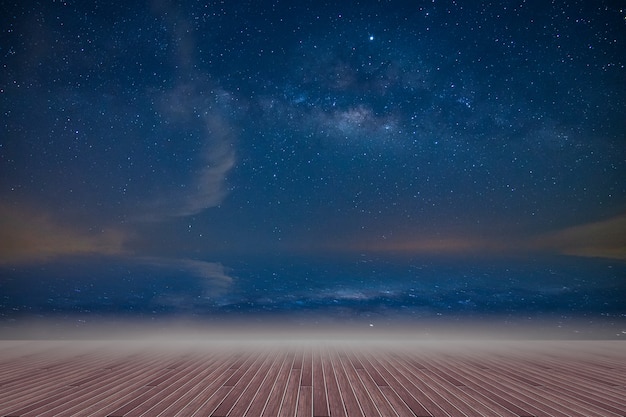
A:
(208, 188)
(30, 235)
(212, 272)
(200, 111)
(602, 239)
(197, 107)
(214, 277)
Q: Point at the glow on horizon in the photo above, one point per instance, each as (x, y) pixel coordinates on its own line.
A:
(272, 331)
(601, 239)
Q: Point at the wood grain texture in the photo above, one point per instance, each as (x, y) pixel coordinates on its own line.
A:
(504, 379)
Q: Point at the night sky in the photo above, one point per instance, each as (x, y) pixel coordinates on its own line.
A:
(358, 163)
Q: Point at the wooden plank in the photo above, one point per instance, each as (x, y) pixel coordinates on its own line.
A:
(576, 372)
(518, 378)
(373, 372)
(37, 387)
(94, 376)
(258, 403)
(297, 360)
(45, 372)
(213, 402)
(290, 400)
(186, 378)
(107, 394)
(355, 361)
(123, 375)
(610, 392)
(436, 392)
(200, 396)
(474, 383)
(399, 406)
(305, 401)
(569, 387)
(500, 379)
(482, 385)
(42, 379)
(139, 399)
(366, 403)
(380, 401)
(433, 409)
(243, 403)
(481, 405)
(530, 397)
(484, 405)
(59, 394)
(307, 370)
(436, 373)
(240, 370)
(320, 396)
(240, 386)
(161, 377)
(213, 370)
(579, 372)
(347, 394)
(580, 369)
(83, 397)
(414, 405)
(600, 406)
(277, 394)
(335, 400)
(579, 406)
(239, 360)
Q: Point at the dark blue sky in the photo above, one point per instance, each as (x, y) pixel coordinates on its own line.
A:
(173, 138)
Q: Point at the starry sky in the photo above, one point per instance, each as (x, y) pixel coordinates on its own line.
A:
(376, 160)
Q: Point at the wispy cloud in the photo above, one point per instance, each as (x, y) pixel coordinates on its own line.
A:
(208, 187)
(213, 278)
(200, 107)
(213, 273)
(30, 235)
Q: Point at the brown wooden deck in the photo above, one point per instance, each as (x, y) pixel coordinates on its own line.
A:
(539, 378)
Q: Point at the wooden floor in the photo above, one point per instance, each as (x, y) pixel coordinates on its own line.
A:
(329, 379)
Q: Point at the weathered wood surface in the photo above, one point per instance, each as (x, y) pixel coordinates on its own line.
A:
(506, 379)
